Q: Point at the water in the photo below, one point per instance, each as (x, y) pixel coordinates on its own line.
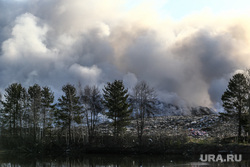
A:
(112, 161)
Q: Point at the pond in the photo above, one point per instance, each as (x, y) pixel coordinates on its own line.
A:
(94, 160)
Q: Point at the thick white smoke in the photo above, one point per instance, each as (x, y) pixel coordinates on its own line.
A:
(56, 42)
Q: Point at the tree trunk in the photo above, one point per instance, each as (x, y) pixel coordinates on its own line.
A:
(115, 127)
(44, 122)
(239, 128)
(69, 131)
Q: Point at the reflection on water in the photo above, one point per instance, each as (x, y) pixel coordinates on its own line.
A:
(111, 161)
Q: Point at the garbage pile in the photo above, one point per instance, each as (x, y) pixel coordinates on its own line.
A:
(197, 133)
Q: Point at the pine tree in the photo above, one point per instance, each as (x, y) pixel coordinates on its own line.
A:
(14, 109)
(35, 108)
(69, 109)
(47, 108)
(1, 113)
(115, 99)
(246, 115)
(235, 99)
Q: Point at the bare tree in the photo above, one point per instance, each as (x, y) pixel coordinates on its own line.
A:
(143, 100)
(92, 104)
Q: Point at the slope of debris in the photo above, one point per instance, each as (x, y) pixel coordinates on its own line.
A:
(173, 120)
(168, 109)
(196, 126)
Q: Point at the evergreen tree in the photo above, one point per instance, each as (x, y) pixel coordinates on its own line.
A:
(14, 109)
(69, 109)
(235, 99)
(47, 101)
(35, 100)
(1, 114)
(246, 116)
(115, 99)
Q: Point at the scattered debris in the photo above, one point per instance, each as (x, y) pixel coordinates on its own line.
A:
(194, 126)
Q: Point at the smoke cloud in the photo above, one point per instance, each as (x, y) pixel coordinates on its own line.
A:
(57, 42)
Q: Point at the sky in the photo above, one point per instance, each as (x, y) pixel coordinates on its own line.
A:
(186, 50)
(178, 9)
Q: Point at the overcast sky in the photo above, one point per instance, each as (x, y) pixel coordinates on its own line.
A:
(186, 49)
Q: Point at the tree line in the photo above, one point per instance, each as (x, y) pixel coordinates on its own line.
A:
(33, 115)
